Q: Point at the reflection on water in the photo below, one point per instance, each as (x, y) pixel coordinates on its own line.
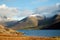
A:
(41, 32)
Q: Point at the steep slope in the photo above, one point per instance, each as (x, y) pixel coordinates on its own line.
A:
(57, 18)
(34, 22)
(8, 32)
(56, 23)
(28, 22)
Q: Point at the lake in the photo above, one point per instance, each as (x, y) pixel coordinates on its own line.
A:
(41, 32)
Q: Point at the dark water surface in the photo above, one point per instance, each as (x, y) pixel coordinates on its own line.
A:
(41, 32)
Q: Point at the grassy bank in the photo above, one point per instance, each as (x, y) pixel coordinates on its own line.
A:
(27, 38)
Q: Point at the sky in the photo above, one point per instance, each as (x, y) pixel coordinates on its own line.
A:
(18, 9)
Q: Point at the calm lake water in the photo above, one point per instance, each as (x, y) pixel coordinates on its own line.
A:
(41, 32)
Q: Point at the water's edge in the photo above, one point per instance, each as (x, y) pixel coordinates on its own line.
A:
(41, 32)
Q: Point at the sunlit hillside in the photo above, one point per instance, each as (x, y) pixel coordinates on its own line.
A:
(9, 34)
(4, 31)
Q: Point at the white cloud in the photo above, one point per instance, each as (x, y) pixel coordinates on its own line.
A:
(8, 11)
(12, 12)
(49, 8)
(47, 11)
(58, 4)
(26, 12)
(3, 6)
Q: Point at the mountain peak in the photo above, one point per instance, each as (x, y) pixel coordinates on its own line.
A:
(37, 16)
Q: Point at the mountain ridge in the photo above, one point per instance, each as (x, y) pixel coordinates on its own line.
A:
(32, 22)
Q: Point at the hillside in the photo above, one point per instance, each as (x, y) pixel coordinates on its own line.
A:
(9, 32)
(36, 22)
(56, 24)
(28, 22)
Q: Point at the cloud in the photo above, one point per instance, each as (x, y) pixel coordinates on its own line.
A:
(26, 12)
(8, 11)
(12, 12)
(58, 4)
(15, 13)
(49, 10)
